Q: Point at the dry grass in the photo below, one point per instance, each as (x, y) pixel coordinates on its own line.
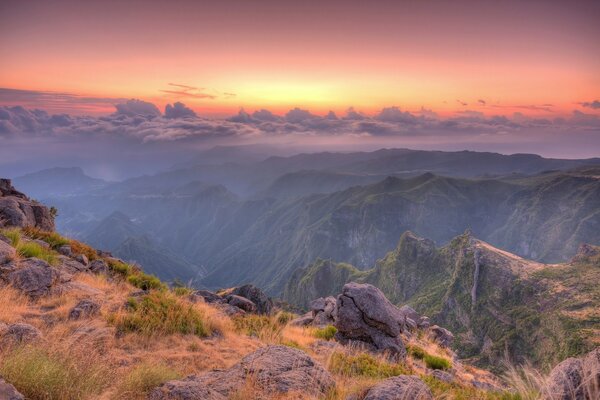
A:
(142, 378)
(19, 305)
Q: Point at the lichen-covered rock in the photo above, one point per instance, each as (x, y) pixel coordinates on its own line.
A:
(8, 391)
(364, 314)
(34, 277)
(401, 387)
(241, 302)
(273, 370)
(264, 305)
(84, 309)
(324, 310)
(16, 209)
(442, 375)
(19, 333)
(565, 381)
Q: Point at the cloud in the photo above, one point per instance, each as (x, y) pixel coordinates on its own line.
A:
(178, 110)
(591, 104)
(482, 102)
(394, 114)
(135, 107)
(298, 115)
(186, 91)
(462, 103)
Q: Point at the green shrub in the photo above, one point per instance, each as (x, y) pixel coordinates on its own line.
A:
(145, 282)
(13, 234)
(416, 352)
(120, 267)
(143, 378)
(283, 317)
(364, 365)
(434, 362)
(161, 313)
(42, 375)
(326, 333)
(53, 239)
(32, 249)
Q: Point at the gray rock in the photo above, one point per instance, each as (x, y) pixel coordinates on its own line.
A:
(401, 387)
(7, 252)
(8, 391)
(34, 277)
(69, 265)
(84, 309)
(324, 310)
(441, 335)
(16, 209)
(41, 243)
(65, 250)
(274, 370)
(242, 303)
(20, 333)
(229, 310)
(99, 267)
(304, 320)
(591, 374)
(565, 381)
(264, 305)
(82, 258)
(410, 312)
(208, 296)
(442, 375)
(364, 314)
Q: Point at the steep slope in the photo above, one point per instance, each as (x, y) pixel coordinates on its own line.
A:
(112, 231)
(494, 301)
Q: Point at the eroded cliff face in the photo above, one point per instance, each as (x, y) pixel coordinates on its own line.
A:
(16, 209)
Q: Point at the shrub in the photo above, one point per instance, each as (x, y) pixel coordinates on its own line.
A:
(283, 317)
(143, 378)
(32, 249)
(40, 374)
(120, 267)
(52, 238)
(435, 362)
(145, 282)
(326, 333)
(13, 234)
(417, 352)
(364, 365)
(161, 313)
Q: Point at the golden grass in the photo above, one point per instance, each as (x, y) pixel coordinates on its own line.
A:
(14, 304)
(142, 378)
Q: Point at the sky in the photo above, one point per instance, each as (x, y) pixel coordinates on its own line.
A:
(505, 76)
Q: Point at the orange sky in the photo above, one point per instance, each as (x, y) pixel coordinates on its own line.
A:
(535, 57)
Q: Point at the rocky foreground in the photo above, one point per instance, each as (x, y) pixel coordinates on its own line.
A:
(79, 323)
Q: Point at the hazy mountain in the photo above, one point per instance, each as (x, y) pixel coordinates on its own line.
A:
(112, 231)
(57, 182)
(493, 301)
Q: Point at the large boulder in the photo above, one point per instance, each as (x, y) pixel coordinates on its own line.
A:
(591, 373)
(576, 378)
(324, 310)
(272, 370)
(34, 277)
(401, 387)
(264, 305)
(365, 315)
(7, 252)
(16, 209)
(241, 303)
(8, 391)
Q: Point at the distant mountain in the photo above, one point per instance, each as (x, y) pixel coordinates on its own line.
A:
(494, 301)
(112, 231)
(58, 182)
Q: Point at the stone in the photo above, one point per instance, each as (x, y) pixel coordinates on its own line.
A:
(565, 381)
(364, 314)
(20, 333)
(34, 277)
(324, 310)
(208, 296)
(591, 374)
(65, 250)
(242, 303)
(8, 391)
(441, 335)
(401, 387)
(7, 252)
(99, 267)
(84, 309)
(82, 258)
(442, 375)
(304, 320)
(18, 210)
(69, 265)
(264, 305)
(276, 370)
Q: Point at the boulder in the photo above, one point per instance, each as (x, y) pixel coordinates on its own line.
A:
(7, 252)
(241, 302)
(8, 391)
(441, 335)
(264, 305)
(34, 277)
(20, 333)
(365, 315)
(82, 258)
(442, 375)
(565, 381)
(99, 267)
(16, 209)
(69, 265)
(591, 374)
(84, 309)
(401, 387)
(208, 296)
(303, 320)
(274, 370)
(65, 250)
(324, 310)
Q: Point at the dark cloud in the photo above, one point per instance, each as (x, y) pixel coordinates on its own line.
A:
(178, 110)
(591, 104)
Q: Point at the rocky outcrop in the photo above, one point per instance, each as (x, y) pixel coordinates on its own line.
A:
(241, 303)
(264, 305)
(18, 210)
(323, 311)
(34, 277)
(8, 391)
(365, 315)
(576, 378)
(401, 387)
(275, 370)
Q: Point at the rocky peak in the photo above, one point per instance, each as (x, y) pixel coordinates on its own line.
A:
(16, 209)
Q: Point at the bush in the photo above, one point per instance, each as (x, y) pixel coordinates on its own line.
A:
(416, 352)
(32, 249)
(13, 234)
(52, 238)
(42, 375)
(434, 362)
(326, 333)
(283, 317)
(364, 365)
(120, 267)
(143, 378)
(145, 282)
(161, 313)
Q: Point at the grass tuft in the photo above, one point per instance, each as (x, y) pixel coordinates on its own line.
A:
(326, 333)
(145, 282)
(32, 249)
(53, 239)
(364, 365)
(435, 362)
(13, 234)
(144, 377)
